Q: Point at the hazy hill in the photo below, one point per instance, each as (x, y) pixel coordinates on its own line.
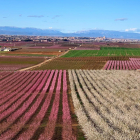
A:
(50, 32)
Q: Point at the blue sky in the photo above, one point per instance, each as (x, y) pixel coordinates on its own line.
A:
(72, 15)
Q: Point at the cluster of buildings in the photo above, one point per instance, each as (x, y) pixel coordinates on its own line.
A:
(19, 38)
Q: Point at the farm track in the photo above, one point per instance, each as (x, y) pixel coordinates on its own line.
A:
(44, 62)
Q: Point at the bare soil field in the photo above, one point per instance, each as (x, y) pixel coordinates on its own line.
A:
(20, 60)
(78, 63)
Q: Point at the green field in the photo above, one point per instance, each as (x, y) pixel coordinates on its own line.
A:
(105, 51)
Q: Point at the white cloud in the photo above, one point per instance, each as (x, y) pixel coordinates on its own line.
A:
(50, 27)
(131, 29)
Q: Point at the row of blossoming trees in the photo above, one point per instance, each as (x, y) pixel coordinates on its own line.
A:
(107, 103)
(11, 67)
(133, 64)
(29, 98)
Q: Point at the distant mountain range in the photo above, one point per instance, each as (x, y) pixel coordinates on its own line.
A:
(6, 30)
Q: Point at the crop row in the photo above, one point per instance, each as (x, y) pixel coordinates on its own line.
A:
(4, 74)
(87, 48)
(27, 99)
(106, 103)
(18, 56)
(122, 65)
(119, 48)
(13, 67)
(135, 59)
(94, 58)
(50, 47)
(10, 44)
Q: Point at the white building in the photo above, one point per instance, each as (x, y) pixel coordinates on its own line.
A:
(7, 49)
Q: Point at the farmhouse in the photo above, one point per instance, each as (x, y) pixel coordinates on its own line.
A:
(7, 49)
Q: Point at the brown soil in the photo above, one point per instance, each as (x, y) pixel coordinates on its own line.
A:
(78, 63)
(43, 53)
(20, 60)
(65, 65)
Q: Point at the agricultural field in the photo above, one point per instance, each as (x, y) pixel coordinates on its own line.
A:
(11, 63)
(91, 92)
(132, 64)
(105, 51)
(73, 104)
(37, 105)
(33, 54)
(66, 63)
(37, 51)
(107, 103)
(24, 44)
(34, 49)
(74, 63)
(113, 44)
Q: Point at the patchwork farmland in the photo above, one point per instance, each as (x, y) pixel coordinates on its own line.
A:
(91, 92)
(38, 104)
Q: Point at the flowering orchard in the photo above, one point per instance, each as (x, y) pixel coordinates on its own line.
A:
(42, 105)
(107, 103)
(13, 67)
(29, 105)
(133, 64)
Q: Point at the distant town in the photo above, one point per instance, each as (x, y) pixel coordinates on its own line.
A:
(18, 38)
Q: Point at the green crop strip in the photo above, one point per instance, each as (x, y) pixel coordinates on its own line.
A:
(105, 51)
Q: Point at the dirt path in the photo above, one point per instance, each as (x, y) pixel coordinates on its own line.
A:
(38, 65)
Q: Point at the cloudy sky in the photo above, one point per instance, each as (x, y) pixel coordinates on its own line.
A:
(72, 15)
